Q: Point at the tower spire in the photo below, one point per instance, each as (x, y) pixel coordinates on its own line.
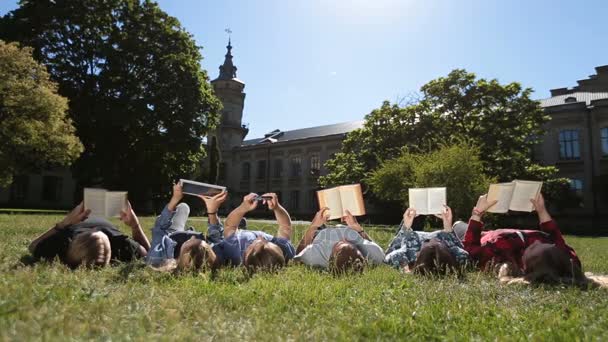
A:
(228, 70)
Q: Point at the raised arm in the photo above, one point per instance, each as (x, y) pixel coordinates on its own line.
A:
(232, 221)
(472, 238)
(446, 218)
(318, 221)
(213, 204)
(351, 221)
(77, 215)
(130, 219)
(546, 222)
(282, 216)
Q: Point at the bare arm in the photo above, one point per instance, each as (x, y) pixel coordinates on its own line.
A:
(77, 215)
(319, 220)
(352, 222)
(213, 203)
(281, 215)
(130, 219)
(232, 221)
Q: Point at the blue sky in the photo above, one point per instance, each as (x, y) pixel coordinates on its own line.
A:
(311, 62)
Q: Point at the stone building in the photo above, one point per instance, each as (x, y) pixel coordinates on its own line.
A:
(576, 139)
(288, 163)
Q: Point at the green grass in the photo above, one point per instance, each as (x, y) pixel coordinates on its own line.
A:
(130, 301)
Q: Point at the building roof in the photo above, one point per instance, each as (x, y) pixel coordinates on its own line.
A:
(305, 133)
(585, 97)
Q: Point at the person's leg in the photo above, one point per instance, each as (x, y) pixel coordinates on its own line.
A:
(178, 223)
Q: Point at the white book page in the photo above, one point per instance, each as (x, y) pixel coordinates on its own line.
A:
(352, 199)
(522, 193)
(331, 198)
(115, 202)
(501, 192)
(95, 200)
(436, 200)
(197, 188)
(418, 200)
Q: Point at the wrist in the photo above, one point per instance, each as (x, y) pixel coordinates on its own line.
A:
(60, 226)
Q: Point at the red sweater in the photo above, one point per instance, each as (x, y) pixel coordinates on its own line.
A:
(508, 245)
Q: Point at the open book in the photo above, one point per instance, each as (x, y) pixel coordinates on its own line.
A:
(427, 201)
(104, 203)
(197, 188)
(514, 196)
(338, 199)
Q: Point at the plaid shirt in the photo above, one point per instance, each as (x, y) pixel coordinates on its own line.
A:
(508, 245)
(404, 247)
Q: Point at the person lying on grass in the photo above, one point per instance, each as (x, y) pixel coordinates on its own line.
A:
(493, 249)
(175, 247)
(256, 250)
(337, 249)
(79, 240)
(439, 251)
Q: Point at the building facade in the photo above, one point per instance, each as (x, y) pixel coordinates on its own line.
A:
(576, 140)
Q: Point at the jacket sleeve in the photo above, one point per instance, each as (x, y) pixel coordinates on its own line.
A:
(550, 227)
(215, 232)
(472, 239)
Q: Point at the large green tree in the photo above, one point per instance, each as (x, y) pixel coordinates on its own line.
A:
(138, 96)
(501, 119)
(35, 131)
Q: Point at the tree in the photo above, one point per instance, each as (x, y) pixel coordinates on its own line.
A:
(501, 119)
(457, 167)
(139, 99)
(34, 128)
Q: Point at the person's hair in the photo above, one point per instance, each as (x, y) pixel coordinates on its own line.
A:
(346, 257)
(89, 249)
(195, 254)
(263, 255)
(546, 263)
(435, 258)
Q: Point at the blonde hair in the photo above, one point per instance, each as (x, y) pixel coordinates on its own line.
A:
(89, 249)
(194, 255)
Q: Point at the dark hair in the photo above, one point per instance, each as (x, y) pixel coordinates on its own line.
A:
(262, 255)
(344, 257)
(547, 263)
(435, 258)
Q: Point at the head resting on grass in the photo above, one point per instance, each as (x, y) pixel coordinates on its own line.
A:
(346, 257)
(435, 258)
(195, 254)
(263, 255)
(89, 249)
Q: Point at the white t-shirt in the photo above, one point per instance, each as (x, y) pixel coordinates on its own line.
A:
(318, 252)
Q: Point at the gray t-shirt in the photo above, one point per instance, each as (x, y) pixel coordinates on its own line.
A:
(318, 252)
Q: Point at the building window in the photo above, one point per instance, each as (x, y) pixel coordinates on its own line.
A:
(315, 165)
(577, 186)
(51, 188)
(278, 168)
(245, 171)
(569, 144)
(293, 199)
(604, 140)
(313, 203)
(261, 169)
(296, 167)
(19, 188)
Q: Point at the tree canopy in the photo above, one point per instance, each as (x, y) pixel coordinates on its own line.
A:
(138, 97)
(501, 120)
(34, 129)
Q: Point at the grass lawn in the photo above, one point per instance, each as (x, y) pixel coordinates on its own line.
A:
(130, 301)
